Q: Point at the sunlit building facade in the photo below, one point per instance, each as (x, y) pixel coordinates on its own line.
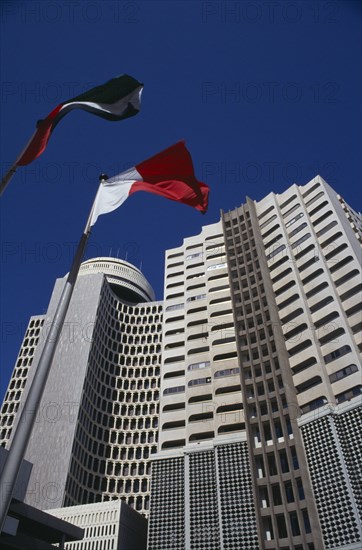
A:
(97, 424)
(229, 414)
(260, 408)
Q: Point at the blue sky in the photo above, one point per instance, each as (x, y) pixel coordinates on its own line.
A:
(265, 94)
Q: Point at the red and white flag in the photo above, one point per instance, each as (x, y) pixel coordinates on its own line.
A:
(169, 174)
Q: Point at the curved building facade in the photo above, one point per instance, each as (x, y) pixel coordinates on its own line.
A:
(253, 375)
(126, 281)
(97, 425)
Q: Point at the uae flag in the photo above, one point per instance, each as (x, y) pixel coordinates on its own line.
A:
(117, 99)
(169, 174)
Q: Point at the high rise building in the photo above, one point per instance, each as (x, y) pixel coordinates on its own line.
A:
(260, 428)
(97, 423)
(245, 396)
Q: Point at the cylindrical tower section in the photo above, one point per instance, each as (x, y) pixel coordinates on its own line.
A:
(118, 416)
(126, 281)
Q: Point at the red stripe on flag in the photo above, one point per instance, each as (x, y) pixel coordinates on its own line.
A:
(171, 175)
(176, 190)
(40, 138)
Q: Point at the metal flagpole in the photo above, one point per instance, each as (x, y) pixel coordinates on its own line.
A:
(10, 173)
(28, 415)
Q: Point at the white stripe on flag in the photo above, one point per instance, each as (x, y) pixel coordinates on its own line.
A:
(114, 192)
(116, 108)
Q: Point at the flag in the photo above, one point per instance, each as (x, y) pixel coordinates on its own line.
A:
(117, 99)
(169, 174)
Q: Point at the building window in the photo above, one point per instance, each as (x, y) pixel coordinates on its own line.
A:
(174, 359)
(201, 365)
(282, 528)
(216, 266)
(286, 214)
(295, 331)
(200, 398)
(294, 524)
(349, 394)
(228, 389)
(291, 316)
(314, 404)
(295, 219)
(179, 273)
(288, 301)
(268, 221)
(342, 263)
(265, 212)
(201, 436)
(351, 292)
(200, 381)
(195, 255)
(347, 277)
(301, 240)
(315, 198)
(284, 288)
(288, 201)
(307, 526)
(310, 190)
(173, 425)
(174, 407)
(195, 298)
(200, 417)
(308, 263)
(342, 373)
(322, 217)
(296, 230)
(326, 319)
(275, 252)
(270, 231)
(316, 289)
(353, 310)
(331, 239)
(282, 275)
(326, 228)
(288, 488)
(331, 336)
(272, 241)
(226, 372)
(308, 384)
(312, 276)
(174, 374)
(194, 287)
(176, 389)
(336, 354)
(321, 304)
(299, 347)
(304, 251)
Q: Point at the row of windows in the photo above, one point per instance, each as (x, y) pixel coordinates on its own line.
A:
(140, 339)
(278, 462)
(282, 530)
(204, 397)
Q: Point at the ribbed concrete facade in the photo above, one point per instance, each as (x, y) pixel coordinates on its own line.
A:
(107, 526)
(242, 388)
(19, 378)
(97, 424)
(282, 293)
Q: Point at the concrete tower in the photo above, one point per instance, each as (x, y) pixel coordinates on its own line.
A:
(259, 442)
(97, 424)
(242, 388)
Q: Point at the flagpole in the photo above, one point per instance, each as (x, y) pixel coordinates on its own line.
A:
(29, 411)
(11, 172)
